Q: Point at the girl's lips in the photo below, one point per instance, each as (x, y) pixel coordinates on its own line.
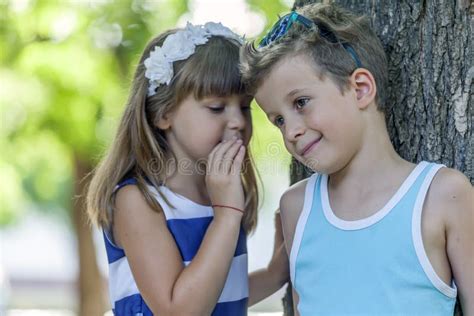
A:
(231, 138)
(310, 146)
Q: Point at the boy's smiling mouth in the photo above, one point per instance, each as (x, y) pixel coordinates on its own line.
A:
(306, 149)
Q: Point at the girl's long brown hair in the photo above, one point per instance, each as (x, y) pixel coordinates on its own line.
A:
(140, 150)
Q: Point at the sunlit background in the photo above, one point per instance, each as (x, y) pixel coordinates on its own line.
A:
(65, 69)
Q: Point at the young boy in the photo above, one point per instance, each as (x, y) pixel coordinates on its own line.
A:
(370, 233)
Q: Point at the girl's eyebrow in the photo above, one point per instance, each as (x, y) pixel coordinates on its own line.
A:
(248, 98)
(211, 100)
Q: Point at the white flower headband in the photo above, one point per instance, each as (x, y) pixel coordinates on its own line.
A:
(179, 46)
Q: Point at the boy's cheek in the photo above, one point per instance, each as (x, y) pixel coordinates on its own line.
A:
(260, 102)
(291, 149)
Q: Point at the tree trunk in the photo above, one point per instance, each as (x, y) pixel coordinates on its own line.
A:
(91, 285)
(430, 54)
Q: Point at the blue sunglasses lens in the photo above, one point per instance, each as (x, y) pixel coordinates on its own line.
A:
(282, 26)
(277, 31)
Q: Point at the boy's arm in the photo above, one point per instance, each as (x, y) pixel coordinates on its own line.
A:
(296, 300)
(291, 205)
(266, 281)
(455, 200)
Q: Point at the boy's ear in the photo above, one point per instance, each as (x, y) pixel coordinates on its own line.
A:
(164, 122)
(364, 84)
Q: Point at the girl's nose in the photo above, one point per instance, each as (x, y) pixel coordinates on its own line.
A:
(237, 120)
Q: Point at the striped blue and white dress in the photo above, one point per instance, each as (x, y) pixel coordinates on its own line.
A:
(187, 222)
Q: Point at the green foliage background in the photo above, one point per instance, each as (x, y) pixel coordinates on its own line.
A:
(65, 70)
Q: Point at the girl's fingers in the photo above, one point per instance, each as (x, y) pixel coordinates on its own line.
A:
(210, 158)
(223, 149)
(219, 155)
(232, 150)
(213, 160)
(229, 155)
(239, 158)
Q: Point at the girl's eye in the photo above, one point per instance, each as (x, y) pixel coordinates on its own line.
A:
(245, 108)
(216, 109)
(279, 121)
(301, 102)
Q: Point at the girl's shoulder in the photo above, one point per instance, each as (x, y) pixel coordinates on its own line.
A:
(132, 212)
(124, 182)
(130, 188)
(161, 198)
(129, 179)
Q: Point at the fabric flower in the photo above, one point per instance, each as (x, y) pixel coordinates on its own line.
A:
(198, 34)
(152, 88)
(217, 29)
(158, 68)
(178, 46)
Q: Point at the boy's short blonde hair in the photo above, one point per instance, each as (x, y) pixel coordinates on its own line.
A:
(331, 59)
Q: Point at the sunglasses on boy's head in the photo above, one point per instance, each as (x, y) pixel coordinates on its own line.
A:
(282, 26)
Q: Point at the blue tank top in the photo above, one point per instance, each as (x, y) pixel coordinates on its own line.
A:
(373, 266)
(187, 222)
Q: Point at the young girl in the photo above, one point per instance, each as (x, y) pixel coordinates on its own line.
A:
(176, 194)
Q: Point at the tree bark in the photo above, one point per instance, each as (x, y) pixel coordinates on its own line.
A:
(429, 45)
(90, 283)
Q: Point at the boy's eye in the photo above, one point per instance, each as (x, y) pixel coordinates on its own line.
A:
(279, 121)
(300, 103)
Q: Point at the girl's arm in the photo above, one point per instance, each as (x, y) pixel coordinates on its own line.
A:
(168, 287)
(265, 282)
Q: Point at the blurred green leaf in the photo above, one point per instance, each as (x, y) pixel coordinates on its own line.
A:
(65, 71)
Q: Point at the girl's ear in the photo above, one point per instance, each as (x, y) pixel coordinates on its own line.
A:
(364, 84)
(164, 122)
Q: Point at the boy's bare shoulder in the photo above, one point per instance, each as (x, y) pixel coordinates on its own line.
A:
(293, 198)
(451, 196)
(291, 205)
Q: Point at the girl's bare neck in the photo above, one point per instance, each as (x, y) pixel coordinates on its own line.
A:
(192, 187)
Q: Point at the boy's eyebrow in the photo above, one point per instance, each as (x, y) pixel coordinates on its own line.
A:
(269, 114)
(293, 92)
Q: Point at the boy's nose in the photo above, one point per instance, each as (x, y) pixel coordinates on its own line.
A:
(293, 131)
